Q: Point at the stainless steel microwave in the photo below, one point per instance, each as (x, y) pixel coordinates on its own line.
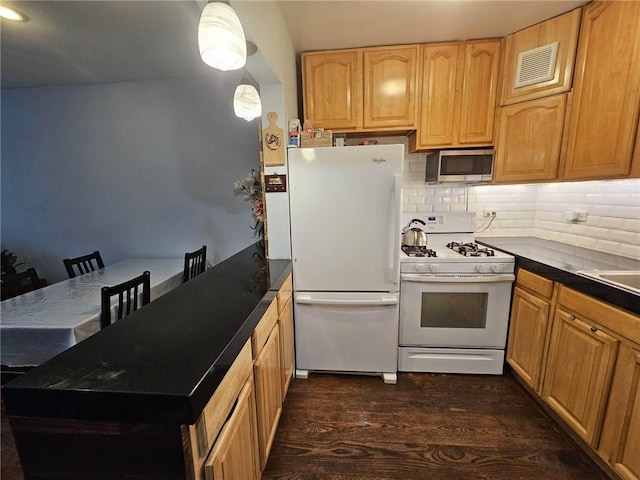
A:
(468, 165)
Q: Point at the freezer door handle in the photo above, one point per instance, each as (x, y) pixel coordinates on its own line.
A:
(309, 300)
(395, 221)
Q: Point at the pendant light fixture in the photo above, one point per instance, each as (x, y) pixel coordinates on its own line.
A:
(221, 38)
(246, 100)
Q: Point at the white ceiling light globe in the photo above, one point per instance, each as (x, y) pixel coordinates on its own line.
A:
(221, 38)
(246, 102)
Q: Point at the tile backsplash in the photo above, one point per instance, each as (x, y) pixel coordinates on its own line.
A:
(612, 207)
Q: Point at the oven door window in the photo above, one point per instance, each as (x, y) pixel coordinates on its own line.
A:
(454, 310)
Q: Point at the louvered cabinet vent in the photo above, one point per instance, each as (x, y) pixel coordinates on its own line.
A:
(536, 65)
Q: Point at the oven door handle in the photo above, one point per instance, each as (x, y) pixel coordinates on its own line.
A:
(453, 278)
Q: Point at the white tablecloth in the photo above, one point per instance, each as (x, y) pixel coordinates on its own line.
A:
(38, 325)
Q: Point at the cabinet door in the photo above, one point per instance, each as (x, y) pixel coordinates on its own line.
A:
(287, 347)
(620, 442)
(480, 87)
(332, 85)
(234, 456)
(268, 378)
(529, 140)
(439, 69)
(606, 99)
(390, 76)
(562, 29)
(527, 331)
(579, 370)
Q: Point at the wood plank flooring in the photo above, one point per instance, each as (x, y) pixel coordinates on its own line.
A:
(427, 427)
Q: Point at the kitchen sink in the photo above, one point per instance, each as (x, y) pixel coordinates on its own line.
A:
(626, 279)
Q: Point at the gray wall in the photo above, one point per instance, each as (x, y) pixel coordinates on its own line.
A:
(141, 169)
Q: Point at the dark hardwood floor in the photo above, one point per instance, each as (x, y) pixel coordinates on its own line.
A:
(427, 427)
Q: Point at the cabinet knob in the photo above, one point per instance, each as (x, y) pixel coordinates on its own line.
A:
(572, 317)
(594, 329)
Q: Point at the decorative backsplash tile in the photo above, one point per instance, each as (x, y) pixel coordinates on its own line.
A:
(612, 206)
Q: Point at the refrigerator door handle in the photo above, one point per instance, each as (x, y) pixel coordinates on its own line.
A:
(310, 300)
(395, 221)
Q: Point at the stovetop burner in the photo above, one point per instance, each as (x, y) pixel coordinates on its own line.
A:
(470, 249)
(415, 251)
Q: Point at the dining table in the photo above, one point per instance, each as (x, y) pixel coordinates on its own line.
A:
(40, 324)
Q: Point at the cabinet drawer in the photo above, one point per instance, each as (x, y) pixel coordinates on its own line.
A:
(606, 315)
(284, 294)
(264, 327)
(535, 283)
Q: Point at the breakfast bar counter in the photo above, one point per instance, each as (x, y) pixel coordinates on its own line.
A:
(162, 363)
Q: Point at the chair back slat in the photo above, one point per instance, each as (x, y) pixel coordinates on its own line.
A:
(194, 263)
(84, 264)
(129, 300)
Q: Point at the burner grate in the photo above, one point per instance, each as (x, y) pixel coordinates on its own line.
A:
(470, 249)
(416, 251)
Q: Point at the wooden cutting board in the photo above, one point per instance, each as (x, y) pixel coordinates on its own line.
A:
(273, 142)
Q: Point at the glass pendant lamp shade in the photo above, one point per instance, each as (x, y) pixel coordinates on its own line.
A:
(246, 102)
(221, 38)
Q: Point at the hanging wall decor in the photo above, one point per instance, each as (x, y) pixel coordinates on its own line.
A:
(273, 143)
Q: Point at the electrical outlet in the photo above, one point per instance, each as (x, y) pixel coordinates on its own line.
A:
(489, 213)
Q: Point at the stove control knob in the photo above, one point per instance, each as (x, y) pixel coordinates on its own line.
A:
(496, 268)
(484, 268)
(434, 268)
(422, 268)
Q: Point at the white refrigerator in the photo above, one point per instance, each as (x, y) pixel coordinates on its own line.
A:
(345, 205)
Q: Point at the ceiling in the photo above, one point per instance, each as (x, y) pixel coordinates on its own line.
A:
(84, 42)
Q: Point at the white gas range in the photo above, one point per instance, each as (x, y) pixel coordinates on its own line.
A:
(454, 300)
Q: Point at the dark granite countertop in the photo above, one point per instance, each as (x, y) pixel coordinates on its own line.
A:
(561, 262)
(162, 363)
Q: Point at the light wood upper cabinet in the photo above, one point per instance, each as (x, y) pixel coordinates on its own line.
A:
(529, 140)
(390, 77)
(578, 374)
(620, 441)
(459, 89)
(606, 101)
(332, 86)
(479, 91)
(234, 456)
(439, 70)
(367, 89)
(563, 30)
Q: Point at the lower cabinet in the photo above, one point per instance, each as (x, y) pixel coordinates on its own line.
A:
(579, 371)
(235, 456)
(620, 440)
(589, 371)
(267, 373)
(268, 377)
(529, 319)
(287, 346)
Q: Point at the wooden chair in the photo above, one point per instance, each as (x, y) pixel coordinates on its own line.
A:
(84, 264)
(128, 298)
(15, 284)
(194, 263)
